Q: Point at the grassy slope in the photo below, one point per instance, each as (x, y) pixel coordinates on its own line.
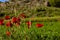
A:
(50, 29)
(45, 11)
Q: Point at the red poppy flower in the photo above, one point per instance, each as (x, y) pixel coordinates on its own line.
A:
(29, 24)
(8, 33)
(14, 19)
(7, 17)
(9, 24)
(1, 21)
(39, 25)
(23, 15)
(18, 19)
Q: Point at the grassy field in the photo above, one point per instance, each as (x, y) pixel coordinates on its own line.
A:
(28, 20)
(50, 31)
(48, 16)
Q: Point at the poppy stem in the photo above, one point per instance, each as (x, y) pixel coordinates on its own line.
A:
(30, 21)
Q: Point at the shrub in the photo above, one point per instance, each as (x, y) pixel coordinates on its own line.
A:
(54, 3)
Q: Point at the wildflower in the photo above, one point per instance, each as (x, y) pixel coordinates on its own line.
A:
(7, 17)
(18, 19)
(1, 21)
(14, 19)
(23, 15)
(9, 24)
(29, 24)
(39, 25)
(8, 33)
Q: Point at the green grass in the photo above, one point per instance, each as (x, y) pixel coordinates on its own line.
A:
(47, 19)
(50, 17)
(50, 31)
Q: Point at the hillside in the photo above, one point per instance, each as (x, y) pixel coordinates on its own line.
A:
(30, 20)
(39, 7)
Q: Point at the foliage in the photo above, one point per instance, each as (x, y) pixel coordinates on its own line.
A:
(54, 3)
(45, 12)
(48, 16)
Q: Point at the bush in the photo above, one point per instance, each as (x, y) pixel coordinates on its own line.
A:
(54, 3)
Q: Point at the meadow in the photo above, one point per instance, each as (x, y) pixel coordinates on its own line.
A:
(40, 23)
(50, 31)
